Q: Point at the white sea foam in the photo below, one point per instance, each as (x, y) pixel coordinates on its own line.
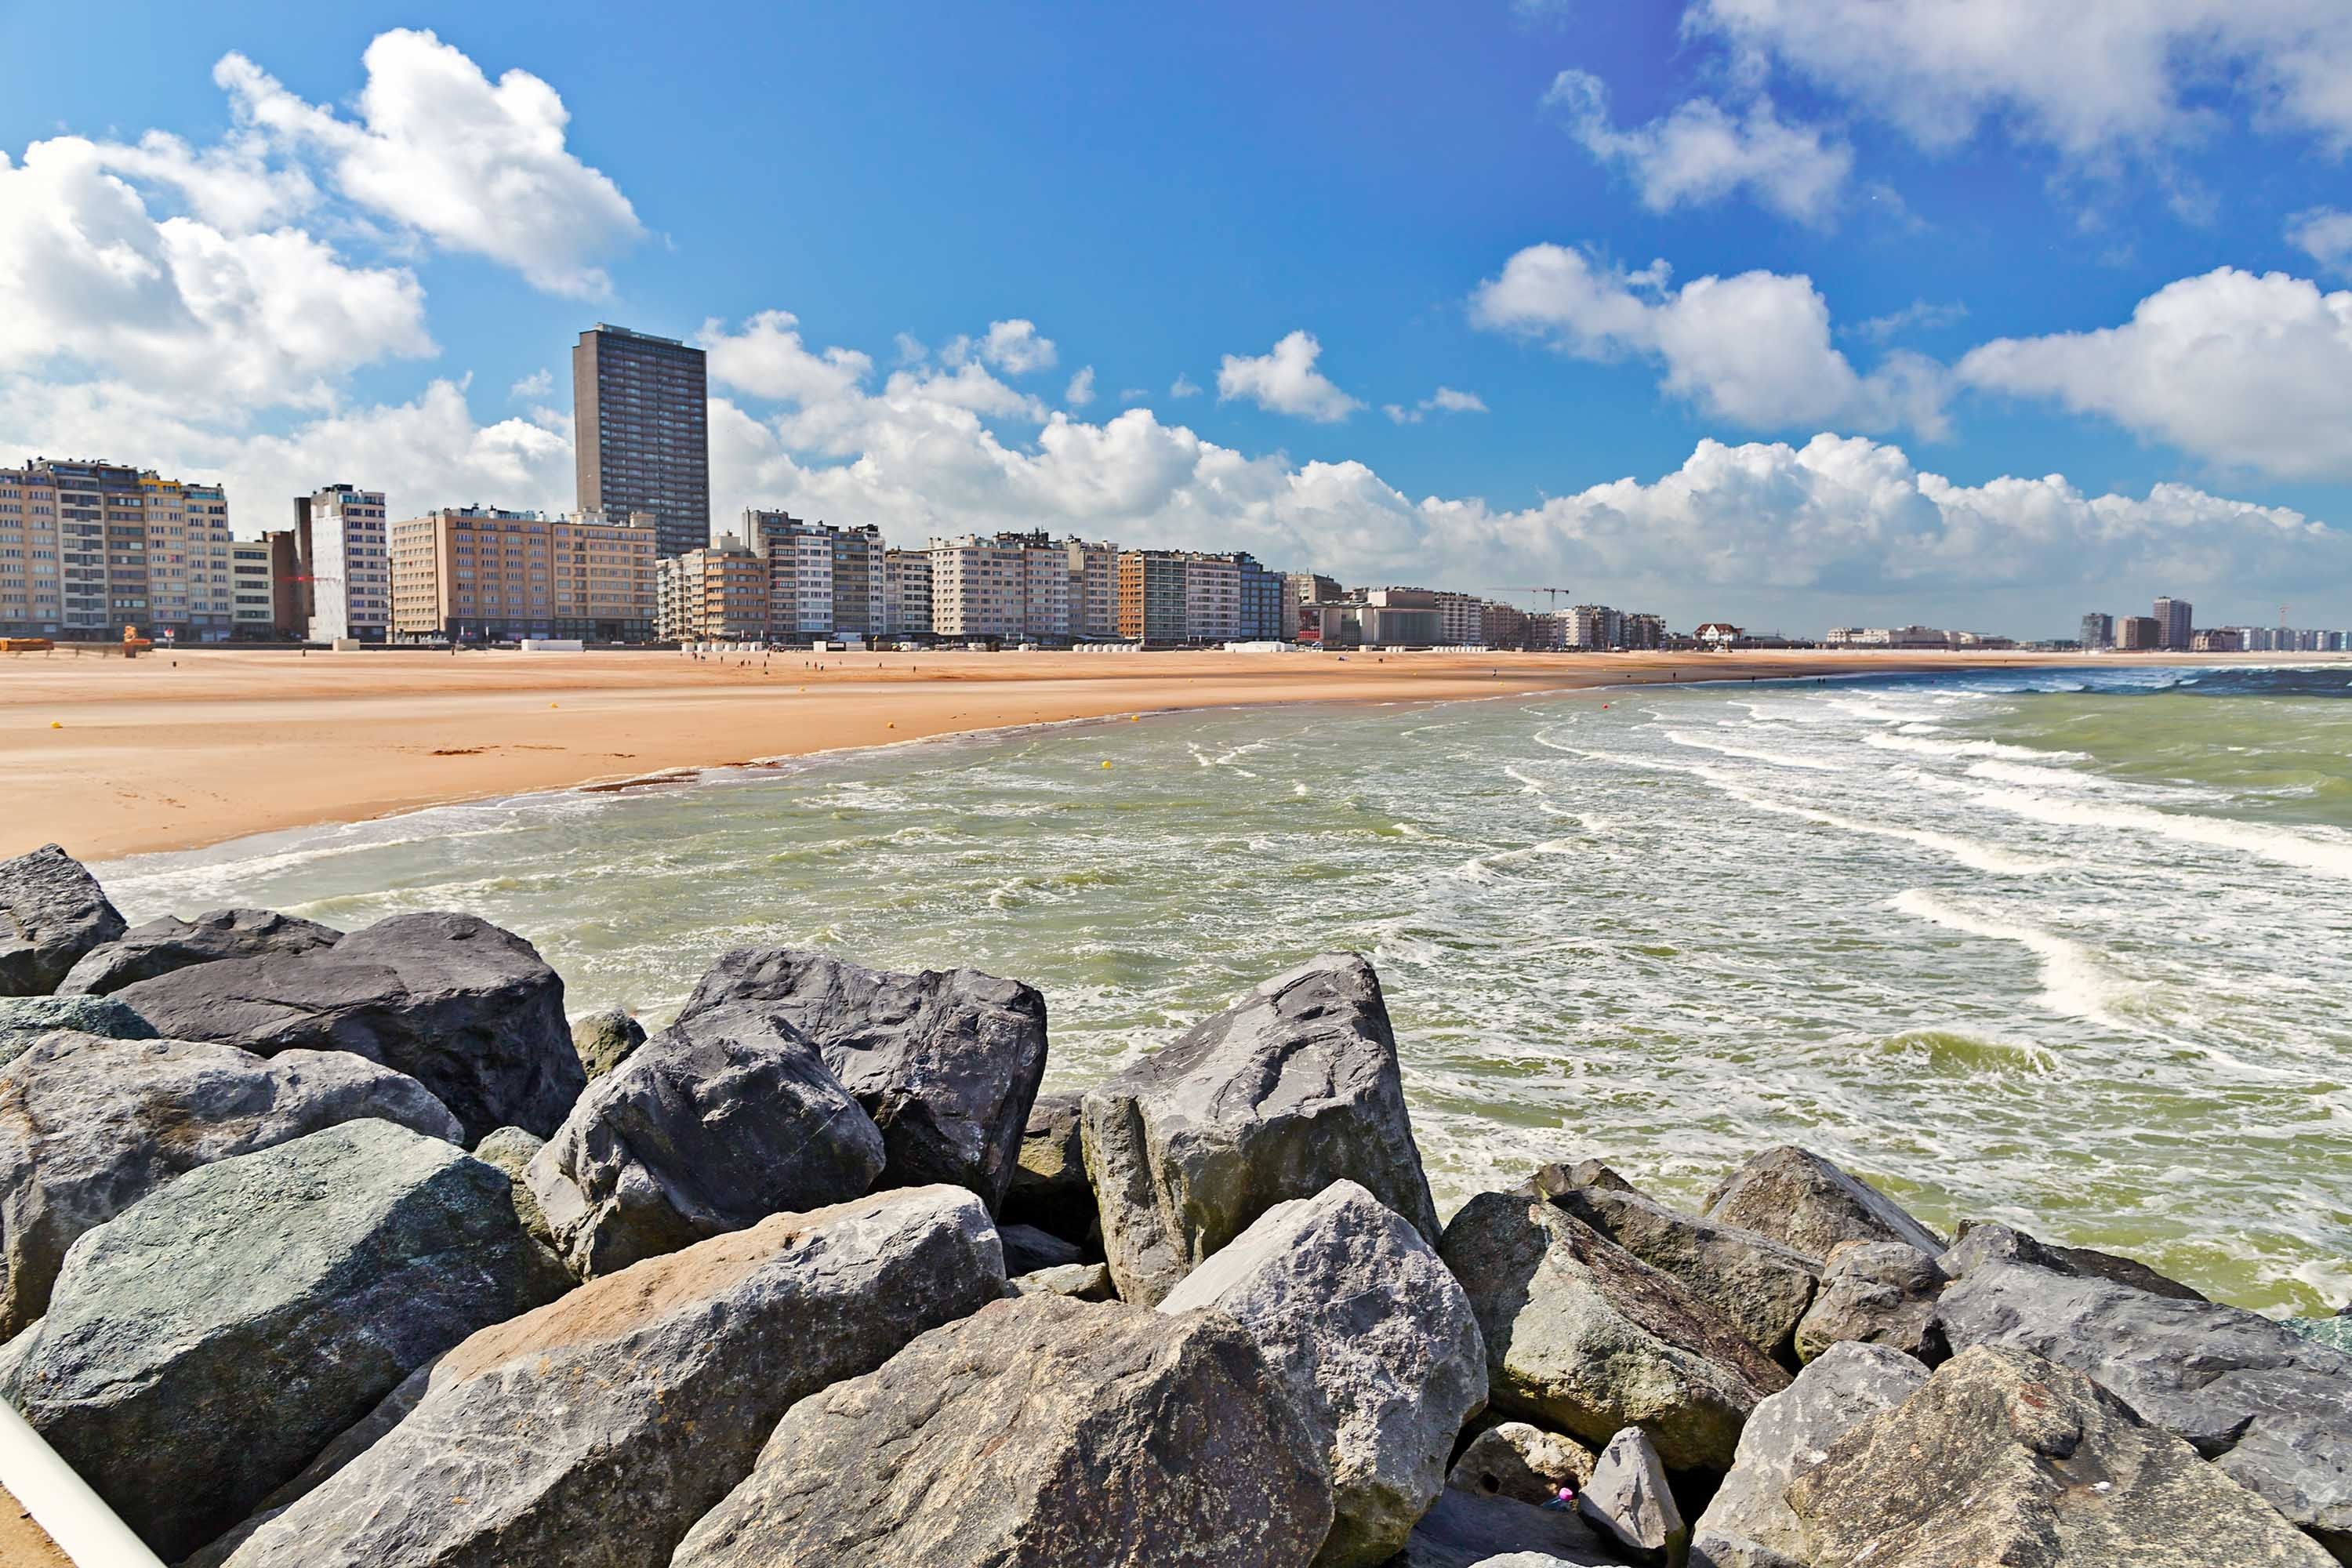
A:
(1920, 745)
(1755, 755)
(2316, 850)
(2074, 981)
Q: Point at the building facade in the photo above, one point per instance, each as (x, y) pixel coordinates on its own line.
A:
(723, 592)
(351, 565)
(252, 589)
(906, 593)
(90, 548)
(1152, 597)
(2176, 622)
(2138, 634)
(483, 574)
(1094, 591)
(641, 432)
(2098, 630)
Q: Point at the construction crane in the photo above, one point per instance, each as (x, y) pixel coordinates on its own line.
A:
(1530, 593)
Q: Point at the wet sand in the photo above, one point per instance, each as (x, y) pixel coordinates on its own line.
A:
(176, 749)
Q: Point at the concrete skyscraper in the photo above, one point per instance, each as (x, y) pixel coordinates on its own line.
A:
(641, 432)
(2175, 622)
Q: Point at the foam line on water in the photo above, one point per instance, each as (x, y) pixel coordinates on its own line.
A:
(2328, 857)
(2074, 980)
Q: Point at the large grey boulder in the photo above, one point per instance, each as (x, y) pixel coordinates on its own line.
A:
(1028, 1249)
(163, 946)
(1080, 1281)
(1040, 1431)
(1584, 1337)
(202, 1345)
(597, 1429)
(470, 1011)
(1527, 1464)
(1470, 1530)
(511, 1149)
(946, 1063)
(1049, 1188)
(714, 1123)
(1292, 1088)
(89, 1126)
(1628, 1500)
(26, 1019)
(1763, 1288)
(2005, 1458)
(1800, 1199)
(1748, 1522)
(2268, 1407)
(1881, 1292)
(51, 912)
(1376, 1341)
(1979, 1240)
(603, 1040)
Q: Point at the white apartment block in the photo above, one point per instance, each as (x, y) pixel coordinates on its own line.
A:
(824, 581)
(251, 586)
(1594, 626)
(1014, 586)
(1044, 591)
(906, 592)
(350, 564)
(1213, 598)
(1461, 619)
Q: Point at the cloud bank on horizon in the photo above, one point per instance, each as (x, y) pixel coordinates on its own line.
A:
(233, 308)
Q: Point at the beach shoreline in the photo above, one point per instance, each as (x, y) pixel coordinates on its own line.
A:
(184, 749)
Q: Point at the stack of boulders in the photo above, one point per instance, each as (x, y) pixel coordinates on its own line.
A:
(328, 1248)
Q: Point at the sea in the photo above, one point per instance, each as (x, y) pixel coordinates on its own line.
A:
(2071, 950)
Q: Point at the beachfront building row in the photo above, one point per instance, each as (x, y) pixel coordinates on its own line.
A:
(477, 573)
(87, 549)
(340, 535)
(783, 579)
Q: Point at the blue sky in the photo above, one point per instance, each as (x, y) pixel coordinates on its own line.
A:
(1795, 311)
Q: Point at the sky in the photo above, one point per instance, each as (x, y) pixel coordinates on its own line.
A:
(1797, 313)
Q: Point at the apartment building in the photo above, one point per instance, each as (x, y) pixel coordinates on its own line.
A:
(1502, 625)
(189, 592)
(641, 433)
(290, 602)
(906, 593)
(1262, 594)
(2098, 630)
(1094, 591)
(481, 573)
(1152, 595)
(1045, 590)
(1594, 627)
(350, 563)
(31, 596)
(2175, 623)
(1460, 620)
(723, 592)
(1213, 598)
(1642, 629)
(253, 594)
(89, 548)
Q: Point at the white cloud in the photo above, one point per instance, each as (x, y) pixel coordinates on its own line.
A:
(2325, 235)
(1286, 382)
(1444, 400)
(1183, 386)
(1081, 390)
(1015, 348)
(538, 383)
(1918, 315)
(1753, 349)
(1133, 394)
(768, 360)
(2086, 79)
(435, 146)
(234, 185)
(90, 280)
(1702, 152)
(2239, 369)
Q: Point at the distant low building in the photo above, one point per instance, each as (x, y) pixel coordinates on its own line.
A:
(1718, 634)
(2138, 634)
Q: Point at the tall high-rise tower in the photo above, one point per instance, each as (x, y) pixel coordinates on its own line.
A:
(641, 432)
(2175, 622)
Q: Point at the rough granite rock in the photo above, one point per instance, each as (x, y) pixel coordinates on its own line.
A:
(1521, 1462)
(26, 1019)
(946, 1062)
(1028, 1249)
(1292, 1088)
(1980, 1240)
(1880, 1292)
(512, 1148)
(1762, 1287)
(1049, 1188)
(163, 946)
(2007, 1457)
(719, 1121)
(470, 1011)
(1041, 1431)
(90, 1125)
(1629, 1500)
(1748, 1522)
(2270, 1409)
(1470, 1529)
(1079, 1281)
(603, 1040)
(1376, 1341)
(600, 1427)
(204, 1344)
(1562, 1176)
(2334, 1332)
(51, 912)
(1800, 1199)
(1585, 1337)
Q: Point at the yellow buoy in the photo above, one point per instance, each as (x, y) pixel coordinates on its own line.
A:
(892, 725)
(1106, 765)
(550, 705)
(55, 725)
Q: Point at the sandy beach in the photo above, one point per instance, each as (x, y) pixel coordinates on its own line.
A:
(178, 750)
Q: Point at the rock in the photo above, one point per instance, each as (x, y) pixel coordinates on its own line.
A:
(1760, 1285)
(713, 1124)
(2007, 1457)
(160, 946)
(1628, 1500)
(24, 1019)
(1521, 1462)
(1039, 1431)
(204, 1344)
(1553, 1180)
(1079, 1281)
(467, 1009)
(603, 1040)
(1375, 1340)
(51, 912)
(2270, 1409)
(89, 1126)
(1469, 1529)
(1049, 1188)
(1879, 1292)
(1290, 1090)
(1586, 1338)
(2334, 1332)
(1800, 1199)
(512, 1148)
(600, 1427)
(1028, 1249)
(1978, 1240)
(1748, 1522)
(946, 1063)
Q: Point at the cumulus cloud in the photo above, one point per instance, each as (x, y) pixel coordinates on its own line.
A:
(2249, 371)
(1081, 390)
(2325, 235)
(1918, 315)
(437, 147)
(1702, 152)
(1753, 349)
(767, 359)
(1286, 382)
(538, 383)
(1183, 386)
(1015, 348)
(1444, 400)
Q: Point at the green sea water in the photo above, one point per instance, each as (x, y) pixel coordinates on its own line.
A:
(2069, 953)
